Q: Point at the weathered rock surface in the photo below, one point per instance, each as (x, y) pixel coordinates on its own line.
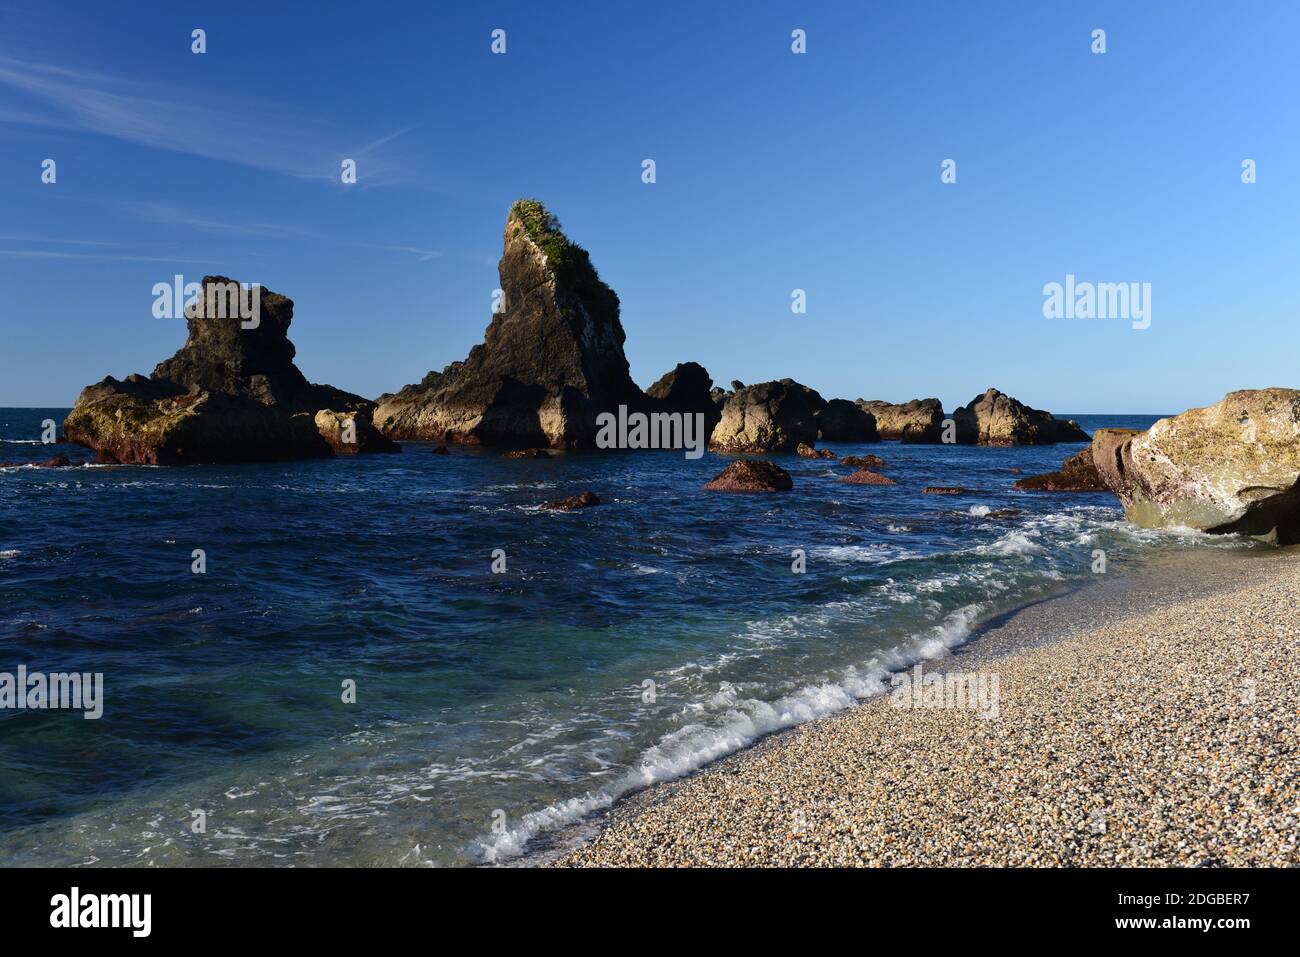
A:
(550, 361)
(749, 475)
(573, 502)
(1077, 474)
(230, 394)
(845, 421)
(920, 420)
(865, 476)
(768, 417)
(351, 432)
(1230, 467)
(864, 461)
(806, 451)
(995, 418)
(688, 389)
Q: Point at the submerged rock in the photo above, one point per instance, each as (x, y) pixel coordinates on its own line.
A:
(944, 490)
(844, 421)
(920, 420)
(1230, 467)
(768, 417)
(230, 394)
(1077, 474)
(751, 475)
(995, 418)
(550, 361)
(573, 502)
(865, 476)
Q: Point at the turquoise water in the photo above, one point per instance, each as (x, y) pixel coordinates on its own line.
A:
(490, 709)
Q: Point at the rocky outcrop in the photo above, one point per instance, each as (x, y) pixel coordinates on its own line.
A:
(57, 462)
(768, 417)
(1077, 474)
(865, 476)
(920, 420)
(1230, 467)
(573, 502)
(527, 454)
(550, 362)
(749, 475)
(688, 389)
(995, 418)
(231, 394)
(348, 433)
(844, 421)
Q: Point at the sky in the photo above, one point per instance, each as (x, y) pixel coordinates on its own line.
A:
(775, 171)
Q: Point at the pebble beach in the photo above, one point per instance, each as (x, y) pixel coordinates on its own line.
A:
(1166, 735)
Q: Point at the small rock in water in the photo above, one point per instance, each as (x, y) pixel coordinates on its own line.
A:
(864, 461)
(865, 476)
(585, 500)
(440, 450)
(527, 454)
(808, 452)
(749, 475)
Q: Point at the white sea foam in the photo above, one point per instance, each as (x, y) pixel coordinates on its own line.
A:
(733, 722)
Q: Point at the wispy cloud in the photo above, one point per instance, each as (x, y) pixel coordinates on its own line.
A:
(253, 133)
(107, 257)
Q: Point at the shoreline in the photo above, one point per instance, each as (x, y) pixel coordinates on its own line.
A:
(878, 785)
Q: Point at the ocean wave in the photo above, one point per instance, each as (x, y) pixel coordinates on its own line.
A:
(739, 723)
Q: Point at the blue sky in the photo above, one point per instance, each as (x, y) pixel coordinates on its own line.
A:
(775, 171)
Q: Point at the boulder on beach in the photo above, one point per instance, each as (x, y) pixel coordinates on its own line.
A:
(865, 476)
(550, 362)
(844, 421)
(920, 420)
(995, 418)
(573, 502)
(768, 417)
(806, 451)
(231, 394)
(1077, 474)
(751, 475)
(688, 389)
(1229, 467)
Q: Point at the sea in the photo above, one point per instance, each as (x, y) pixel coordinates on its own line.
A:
(402, 660)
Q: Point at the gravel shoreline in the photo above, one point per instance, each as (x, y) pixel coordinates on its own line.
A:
(1167, 736)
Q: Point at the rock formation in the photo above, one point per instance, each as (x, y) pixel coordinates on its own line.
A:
(864, 476)
(1077, 474)
(749, 475)
(845, 421)
(230, 394)
(550, 362)
(920, 420)
(687, 389)
(1230, 467)
(768, 417)
(995, 418)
